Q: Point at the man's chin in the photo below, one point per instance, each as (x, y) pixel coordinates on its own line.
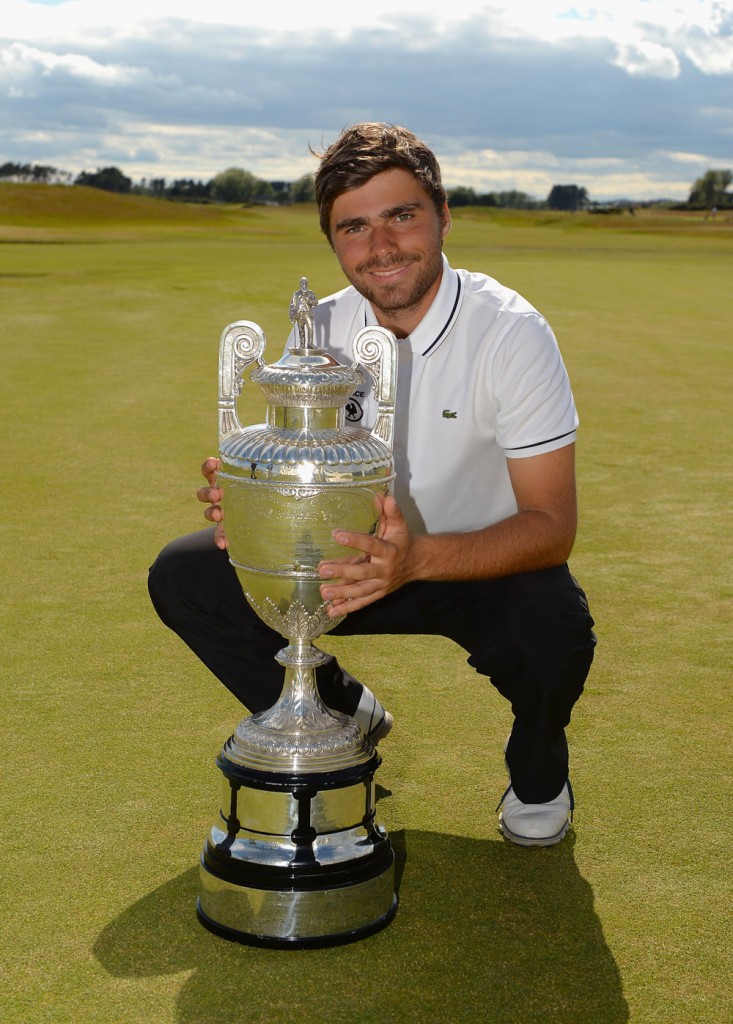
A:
(393, 302)
(393, 298)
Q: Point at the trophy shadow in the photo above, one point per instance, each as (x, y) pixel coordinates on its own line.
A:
(485, 930)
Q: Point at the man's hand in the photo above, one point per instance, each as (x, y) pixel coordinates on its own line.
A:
(211, 496)
(382, 567)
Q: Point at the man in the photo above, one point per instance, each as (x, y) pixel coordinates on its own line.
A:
(474, 543)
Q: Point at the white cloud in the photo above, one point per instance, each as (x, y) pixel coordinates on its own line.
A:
(630, 22)
(535, 172)
(711, 56)
(20, 63)
(648, 59)
(511, 95)
(686, 158)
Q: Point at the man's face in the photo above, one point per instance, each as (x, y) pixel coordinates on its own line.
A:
(388, 238)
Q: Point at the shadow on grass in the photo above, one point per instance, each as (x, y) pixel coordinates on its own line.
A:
(484, 931)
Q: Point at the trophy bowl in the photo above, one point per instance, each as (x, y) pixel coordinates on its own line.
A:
(296, 856)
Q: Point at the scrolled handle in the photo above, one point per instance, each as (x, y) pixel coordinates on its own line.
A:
(376, 349)
(242, 343)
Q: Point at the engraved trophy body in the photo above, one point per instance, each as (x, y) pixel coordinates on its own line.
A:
(296, 857)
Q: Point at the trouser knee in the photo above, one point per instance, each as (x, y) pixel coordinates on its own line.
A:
(192, 579)
(163, 586)
(545, 628)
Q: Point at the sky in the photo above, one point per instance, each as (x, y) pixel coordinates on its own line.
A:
(626, 98)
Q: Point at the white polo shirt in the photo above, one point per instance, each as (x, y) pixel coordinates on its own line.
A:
(480, 380)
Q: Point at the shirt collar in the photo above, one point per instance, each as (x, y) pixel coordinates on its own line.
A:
(438, 320)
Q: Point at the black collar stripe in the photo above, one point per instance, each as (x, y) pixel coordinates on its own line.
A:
(449, 322)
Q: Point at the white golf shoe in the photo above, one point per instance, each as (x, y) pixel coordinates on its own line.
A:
(536, 824)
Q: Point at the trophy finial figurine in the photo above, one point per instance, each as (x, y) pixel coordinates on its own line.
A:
(296, 856)
(301, 313)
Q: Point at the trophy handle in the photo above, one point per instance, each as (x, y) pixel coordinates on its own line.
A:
(242, 343)
(376, 349)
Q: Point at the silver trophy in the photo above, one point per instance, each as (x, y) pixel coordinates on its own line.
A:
(296, 856)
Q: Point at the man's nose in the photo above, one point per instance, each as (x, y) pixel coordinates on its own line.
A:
(383, 239)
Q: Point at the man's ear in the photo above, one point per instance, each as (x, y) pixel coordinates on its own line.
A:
(446, 225)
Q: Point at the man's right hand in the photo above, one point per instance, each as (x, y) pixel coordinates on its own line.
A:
(211, 496)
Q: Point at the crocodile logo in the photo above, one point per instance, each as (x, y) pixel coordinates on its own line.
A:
(449, 415)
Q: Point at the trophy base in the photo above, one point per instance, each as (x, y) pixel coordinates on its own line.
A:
(314, 913)
(297, 861)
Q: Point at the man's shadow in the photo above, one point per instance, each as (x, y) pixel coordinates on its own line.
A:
(485, 931)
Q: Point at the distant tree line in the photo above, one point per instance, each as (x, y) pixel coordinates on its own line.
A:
(235, 185)
(33, 173)
(561, 197)
(463, 195)
(711, 190)
(111, 179)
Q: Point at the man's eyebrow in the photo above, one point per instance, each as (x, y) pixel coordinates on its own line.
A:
(350, 222)
(393, 211)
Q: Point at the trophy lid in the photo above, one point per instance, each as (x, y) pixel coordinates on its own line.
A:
(306, 374)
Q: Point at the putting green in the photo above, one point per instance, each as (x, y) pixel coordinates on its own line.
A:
(111, 310)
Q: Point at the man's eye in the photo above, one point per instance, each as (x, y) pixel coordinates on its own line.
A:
(402, 217)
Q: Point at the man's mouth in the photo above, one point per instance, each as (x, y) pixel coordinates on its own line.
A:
(387, 275)
(385, 270)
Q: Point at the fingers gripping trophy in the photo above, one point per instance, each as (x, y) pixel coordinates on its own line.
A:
(296, 857)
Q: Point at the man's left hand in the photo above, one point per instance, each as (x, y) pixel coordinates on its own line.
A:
(381, 568)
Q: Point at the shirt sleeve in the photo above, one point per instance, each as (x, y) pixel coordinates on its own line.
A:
(533, 401)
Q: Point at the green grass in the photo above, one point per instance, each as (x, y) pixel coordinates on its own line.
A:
(111, 312)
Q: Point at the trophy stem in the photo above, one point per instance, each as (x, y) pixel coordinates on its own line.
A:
(299, 700)
(299, 733)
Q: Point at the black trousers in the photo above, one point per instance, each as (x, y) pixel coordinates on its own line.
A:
(531, 634)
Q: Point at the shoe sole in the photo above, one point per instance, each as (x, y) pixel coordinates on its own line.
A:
(530, 841)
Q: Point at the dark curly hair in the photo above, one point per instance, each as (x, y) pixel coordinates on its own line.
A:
(367, 149)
